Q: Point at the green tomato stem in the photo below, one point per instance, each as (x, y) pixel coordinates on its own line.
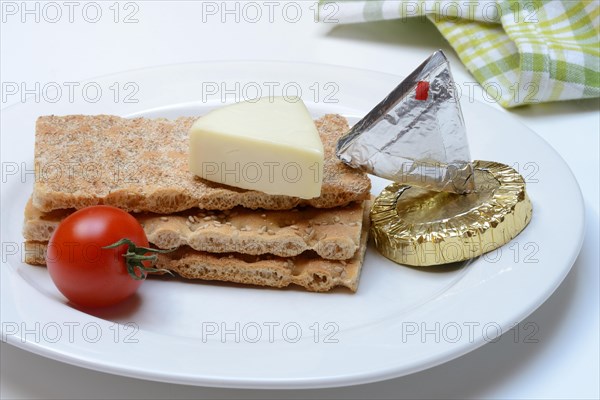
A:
(135, 257)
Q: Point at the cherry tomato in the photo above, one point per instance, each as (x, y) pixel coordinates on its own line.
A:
(87, 273)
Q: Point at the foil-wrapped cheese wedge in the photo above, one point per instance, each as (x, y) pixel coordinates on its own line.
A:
(420, 227)
(416, 135)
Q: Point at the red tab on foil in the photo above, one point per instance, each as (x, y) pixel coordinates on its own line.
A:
(422, 90)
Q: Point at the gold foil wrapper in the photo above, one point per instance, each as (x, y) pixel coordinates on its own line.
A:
(420, 227)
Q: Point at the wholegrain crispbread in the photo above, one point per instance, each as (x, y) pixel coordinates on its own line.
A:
(332, 233)
(306, 270)
(141, 164)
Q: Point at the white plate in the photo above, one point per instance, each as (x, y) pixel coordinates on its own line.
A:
(400, 321)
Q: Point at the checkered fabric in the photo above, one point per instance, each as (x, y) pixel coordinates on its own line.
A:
(521, 52)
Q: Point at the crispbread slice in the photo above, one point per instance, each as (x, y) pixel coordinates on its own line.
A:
(333, 233)
(306, 270)
(142, 165)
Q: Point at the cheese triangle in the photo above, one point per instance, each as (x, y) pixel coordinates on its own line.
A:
(269, 145)
(416, 135)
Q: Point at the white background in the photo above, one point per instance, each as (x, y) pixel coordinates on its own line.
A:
(565, 361)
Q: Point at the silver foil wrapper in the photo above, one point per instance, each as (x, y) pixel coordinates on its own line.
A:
(415, 136)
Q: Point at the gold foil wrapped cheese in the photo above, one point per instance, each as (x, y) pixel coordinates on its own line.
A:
(420, 227)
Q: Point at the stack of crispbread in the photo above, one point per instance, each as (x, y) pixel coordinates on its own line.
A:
(221, 232)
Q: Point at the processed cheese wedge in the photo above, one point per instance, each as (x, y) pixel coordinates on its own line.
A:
(270, 145)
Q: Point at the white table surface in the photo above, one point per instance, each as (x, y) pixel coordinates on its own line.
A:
(565, 361)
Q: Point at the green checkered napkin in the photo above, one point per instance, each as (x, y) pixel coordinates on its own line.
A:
(521, 52)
